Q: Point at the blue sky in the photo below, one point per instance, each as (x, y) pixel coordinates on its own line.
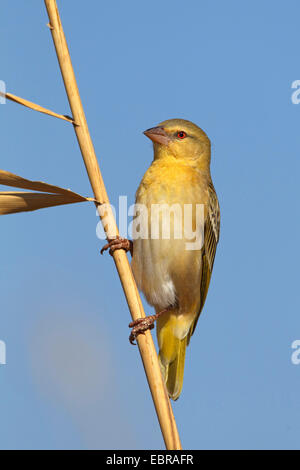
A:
(72, 380)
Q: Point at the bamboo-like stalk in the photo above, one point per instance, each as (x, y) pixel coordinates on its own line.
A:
(145, 342)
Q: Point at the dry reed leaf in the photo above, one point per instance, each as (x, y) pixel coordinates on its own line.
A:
(12, 202)
(20, 201)
(35, 107)
(9, 179)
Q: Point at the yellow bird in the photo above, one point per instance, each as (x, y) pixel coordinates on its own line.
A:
(172, 269)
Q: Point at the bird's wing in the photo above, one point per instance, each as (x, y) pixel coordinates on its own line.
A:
(211, 238)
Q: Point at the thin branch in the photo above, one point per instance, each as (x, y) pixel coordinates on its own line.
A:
(145, 342)
(35, 107)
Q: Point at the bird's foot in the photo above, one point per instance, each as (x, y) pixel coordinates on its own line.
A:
(118, 243)
(143, 324)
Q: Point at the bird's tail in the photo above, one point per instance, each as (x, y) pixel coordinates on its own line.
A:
(171, 356)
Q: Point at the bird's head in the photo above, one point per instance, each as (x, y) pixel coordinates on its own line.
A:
(181, 139)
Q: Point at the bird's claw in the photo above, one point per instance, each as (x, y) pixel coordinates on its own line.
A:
(139, 326)
(143, 324)
(118, 243)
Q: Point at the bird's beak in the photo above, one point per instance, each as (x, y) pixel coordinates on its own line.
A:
(158, 135)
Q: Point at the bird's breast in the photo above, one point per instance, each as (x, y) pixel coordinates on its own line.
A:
(165, 263)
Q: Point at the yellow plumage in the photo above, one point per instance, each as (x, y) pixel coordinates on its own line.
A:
(170, 275)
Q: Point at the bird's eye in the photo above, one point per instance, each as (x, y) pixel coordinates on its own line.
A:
(181, 134)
